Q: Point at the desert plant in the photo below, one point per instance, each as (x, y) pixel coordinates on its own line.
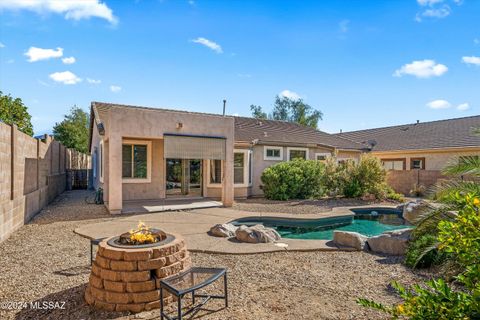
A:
(418, 190)
(422, 252)
(297, 179)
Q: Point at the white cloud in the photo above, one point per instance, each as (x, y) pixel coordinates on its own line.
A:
(440, 13)
(422, 69)
(463, 106)
(428, 2)
(72, 9)
(471, 60)
(209, 44)
(65, 77)
(93, 81)
(290, 94)
(439, 104)
(37, 54)
(69, 60)
(2, 45)
(114, 88)
(343, 26)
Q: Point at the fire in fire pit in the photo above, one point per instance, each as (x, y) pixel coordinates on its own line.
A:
(143, 235)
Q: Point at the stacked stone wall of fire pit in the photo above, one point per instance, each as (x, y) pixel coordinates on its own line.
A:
(122, 279)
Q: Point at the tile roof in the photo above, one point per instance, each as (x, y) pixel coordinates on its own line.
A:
(282, 132)
(450, 133)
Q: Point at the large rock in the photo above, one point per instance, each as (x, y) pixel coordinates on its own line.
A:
(225, 230)
(256, 234)
(390, 242)
(349, 239)
(413, 210)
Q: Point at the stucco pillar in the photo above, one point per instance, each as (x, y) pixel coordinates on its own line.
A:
(227, 190)
(115, 174)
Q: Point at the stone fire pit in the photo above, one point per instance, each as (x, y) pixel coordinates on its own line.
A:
(127, 277)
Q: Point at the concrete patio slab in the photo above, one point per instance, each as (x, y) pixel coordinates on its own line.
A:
(144, 206)
(195, 224)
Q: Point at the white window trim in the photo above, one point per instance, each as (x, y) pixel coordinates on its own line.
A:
(95, 162)
(326, 154)
(214, 185)
(296, 149)
(101, 167)
(267, 158)
(246, 155)
(148, 179)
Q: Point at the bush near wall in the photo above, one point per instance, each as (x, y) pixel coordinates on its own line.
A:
(303, 179)
(297, 179)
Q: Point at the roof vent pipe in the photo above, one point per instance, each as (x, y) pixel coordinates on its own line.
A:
(418, 121)
(224, 105)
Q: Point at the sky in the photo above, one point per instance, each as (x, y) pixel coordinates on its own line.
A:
(364, 64)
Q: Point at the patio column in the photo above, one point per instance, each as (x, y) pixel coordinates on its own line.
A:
(115, 174)
(227, 188)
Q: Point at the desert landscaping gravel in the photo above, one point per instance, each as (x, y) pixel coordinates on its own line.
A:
(46, 261)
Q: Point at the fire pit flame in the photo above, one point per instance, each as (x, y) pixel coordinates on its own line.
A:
(142, 235)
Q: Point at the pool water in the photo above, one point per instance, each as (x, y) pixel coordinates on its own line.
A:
(369, 222)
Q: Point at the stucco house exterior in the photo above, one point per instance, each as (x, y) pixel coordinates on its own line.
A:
(141, 153)
(416, 153)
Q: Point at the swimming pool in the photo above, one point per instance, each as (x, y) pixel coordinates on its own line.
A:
(367, 221)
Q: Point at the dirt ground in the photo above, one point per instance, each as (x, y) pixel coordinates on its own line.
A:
(46, 261)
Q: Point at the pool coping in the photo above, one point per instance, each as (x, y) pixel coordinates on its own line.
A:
(194, 225)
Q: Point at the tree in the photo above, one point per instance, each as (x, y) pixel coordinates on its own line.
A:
(257, 112)
(13, 111)
(73, 131)
(292, 110)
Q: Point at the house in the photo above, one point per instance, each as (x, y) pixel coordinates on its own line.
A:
(416, 153)
(141, 153)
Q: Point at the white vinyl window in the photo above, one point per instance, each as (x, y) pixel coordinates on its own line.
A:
(322, 156)
(215, 172)
(242, 171)
(272, 153)
(136, 161)
(100, 161)
(393, 164)
(297, 153)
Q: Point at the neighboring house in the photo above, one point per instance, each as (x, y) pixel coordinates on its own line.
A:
(416, 153)
(143, 153)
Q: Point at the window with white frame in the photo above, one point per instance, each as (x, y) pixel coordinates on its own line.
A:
(250, 172)
(95, 162)
(297, 153)
(136, 161)
(322, 156)
(272, 153)
(242, 170)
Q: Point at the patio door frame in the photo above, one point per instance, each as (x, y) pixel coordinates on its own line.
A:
(183, 178)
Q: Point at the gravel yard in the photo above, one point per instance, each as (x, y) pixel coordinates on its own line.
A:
(299, 206)
(46, 261)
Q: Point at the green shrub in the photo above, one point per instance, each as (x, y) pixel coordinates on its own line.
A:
(422, 252)
(438, 300)
(297, 179)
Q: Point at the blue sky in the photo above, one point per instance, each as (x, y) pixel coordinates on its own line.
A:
(362, 63)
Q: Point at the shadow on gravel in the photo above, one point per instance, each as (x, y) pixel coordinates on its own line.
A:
(66, 304)
(74, 271)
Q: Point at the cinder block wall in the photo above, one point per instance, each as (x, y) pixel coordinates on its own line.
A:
(404, 181)
(32, 174)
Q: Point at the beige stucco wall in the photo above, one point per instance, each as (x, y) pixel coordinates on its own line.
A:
(133, 123)
(434, 160)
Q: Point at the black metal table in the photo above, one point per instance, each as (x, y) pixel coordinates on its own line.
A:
(190, 281)
(94, 242)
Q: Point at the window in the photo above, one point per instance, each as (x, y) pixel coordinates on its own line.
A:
(417, 163)
(297, 153)
(394, 164)
(250, 168)
(95, 162)
(238, 167)
(135, 162)
(100, 160)
(273, 153)
(215, 171)
(322, 156)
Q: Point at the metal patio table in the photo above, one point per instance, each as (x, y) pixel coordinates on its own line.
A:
(190, 281)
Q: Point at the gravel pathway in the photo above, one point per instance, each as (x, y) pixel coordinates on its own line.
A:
(46, 261)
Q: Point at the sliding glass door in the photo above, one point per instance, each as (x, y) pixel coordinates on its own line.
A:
(184, 177)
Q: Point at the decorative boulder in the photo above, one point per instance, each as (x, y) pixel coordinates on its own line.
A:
(414, 209)
(256, 234)
(349, 239)
(390, 242)
(225, 230)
